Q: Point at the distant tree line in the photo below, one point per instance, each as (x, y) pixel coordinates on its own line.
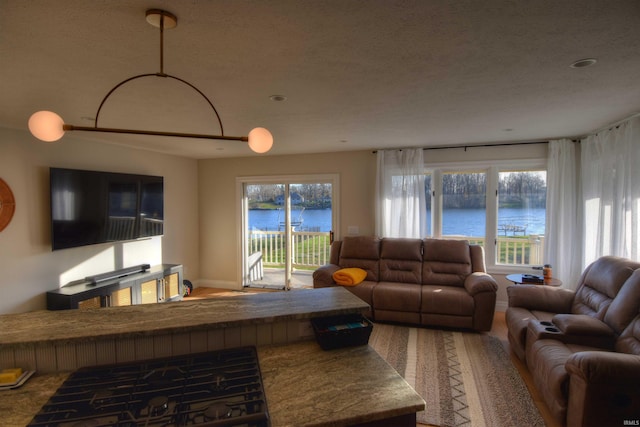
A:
(522, 190)
(268, 196)
(515, 190)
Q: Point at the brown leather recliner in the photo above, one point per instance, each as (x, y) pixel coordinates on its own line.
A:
(585, 359)
(598, 286)
(428, 282)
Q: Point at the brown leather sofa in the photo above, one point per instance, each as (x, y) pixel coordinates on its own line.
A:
(582, 348)
(426, 282)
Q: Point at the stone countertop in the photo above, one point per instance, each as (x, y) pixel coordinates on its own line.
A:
(20, 405)
(304, 386)
(64, 326)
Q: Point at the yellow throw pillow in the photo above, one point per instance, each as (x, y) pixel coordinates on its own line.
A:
(349, 276)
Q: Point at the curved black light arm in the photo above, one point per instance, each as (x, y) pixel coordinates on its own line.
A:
(158, 75)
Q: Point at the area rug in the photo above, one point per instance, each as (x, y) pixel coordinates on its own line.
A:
(465, 378)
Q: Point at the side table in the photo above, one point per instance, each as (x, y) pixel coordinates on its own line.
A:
(517, 279)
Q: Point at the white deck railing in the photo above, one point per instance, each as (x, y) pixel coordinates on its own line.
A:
(310, 249)
(526, 250)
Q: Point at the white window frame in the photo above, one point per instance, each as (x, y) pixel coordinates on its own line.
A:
(242, 205)
(492, 170)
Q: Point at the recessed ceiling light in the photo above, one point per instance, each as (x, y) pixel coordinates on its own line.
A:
(581, 63)
(278, 98)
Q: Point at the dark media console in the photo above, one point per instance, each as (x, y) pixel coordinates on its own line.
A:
(141, 284)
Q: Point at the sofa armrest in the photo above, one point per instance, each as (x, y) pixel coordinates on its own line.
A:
(604, 367)
(577, 329)
(540, 297)
(480, 282)
(582, 324)
(323, 276)
(603, 388)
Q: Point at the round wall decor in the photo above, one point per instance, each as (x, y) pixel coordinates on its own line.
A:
(7, 204)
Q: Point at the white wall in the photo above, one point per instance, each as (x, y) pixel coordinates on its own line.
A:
(28, 267)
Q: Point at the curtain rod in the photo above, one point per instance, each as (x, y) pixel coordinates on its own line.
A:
(497, 144)
(611, 126)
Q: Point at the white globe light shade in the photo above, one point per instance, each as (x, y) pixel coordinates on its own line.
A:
(260, 140)
(46, 126)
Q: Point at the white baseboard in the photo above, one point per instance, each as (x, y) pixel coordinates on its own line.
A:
(219, 284)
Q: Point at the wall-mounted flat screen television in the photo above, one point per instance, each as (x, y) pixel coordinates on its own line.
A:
(90, 207)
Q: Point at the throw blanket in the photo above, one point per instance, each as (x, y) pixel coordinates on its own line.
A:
(349, 276)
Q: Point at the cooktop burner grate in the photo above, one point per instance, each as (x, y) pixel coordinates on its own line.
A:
(219, 388)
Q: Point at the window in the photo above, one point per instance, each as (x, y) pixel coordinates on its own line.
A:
(522, 197)
(464, 199)
(499, 207)
(428, 190)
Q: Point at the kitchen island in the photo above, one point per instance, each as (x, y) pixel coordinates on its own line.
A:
(51, 341)
(304, 385)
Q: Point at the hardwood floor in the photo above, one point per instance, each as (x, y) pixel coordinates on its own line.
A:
(498, 330)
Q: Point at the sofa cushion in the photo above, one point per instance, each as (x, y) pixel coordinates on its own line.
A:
(361, 252)
(364, 291)
(625, 305)
(629, 340)
(397, 297)
(363, 247)
(401, 260)
(599, 284)
(445, 262)
(446, 300)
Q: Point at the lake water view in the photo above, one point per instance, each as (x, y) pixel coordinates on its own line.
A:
(466, 222)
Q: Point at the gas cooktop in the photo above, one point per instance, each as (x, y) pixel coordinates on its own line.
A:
(219, 388)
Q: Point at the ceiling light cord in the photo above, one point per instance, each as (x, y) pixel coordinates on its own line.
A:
(49, 127)
(162, 43)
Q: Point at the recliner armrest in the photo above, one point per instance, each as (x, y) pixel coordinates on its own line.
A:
(605, 367)
(540, 297)
(582, 324)
(603, 388)
(480, 282)
(323, 276)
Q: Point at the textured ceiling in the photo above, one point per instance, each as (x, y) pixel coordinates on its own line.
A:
(357, 74)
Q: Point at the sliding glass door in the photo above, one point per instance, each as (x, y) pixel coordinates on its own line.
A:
(287, 229)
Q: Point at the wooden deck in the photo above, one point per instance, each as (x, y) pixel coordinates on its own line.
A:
(273, 278)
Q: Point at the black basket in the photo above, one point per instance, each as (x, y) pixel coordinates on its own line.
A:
(532, 278)
(345, 330)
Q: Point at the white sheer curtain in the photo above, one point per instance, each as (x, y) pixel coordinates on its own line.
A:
(401, 209)
(611, 192)
(562, 247)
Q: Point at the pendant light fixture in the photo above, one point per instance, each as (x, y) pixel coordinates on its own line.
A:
(49, 127)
